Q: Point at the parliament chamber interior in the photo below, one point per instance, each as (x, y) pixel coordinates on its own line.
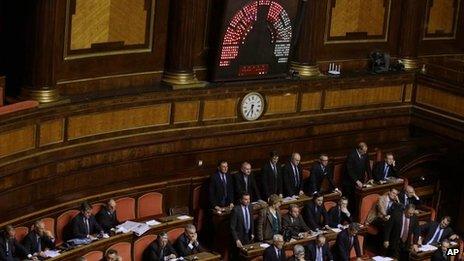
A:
(143, 130)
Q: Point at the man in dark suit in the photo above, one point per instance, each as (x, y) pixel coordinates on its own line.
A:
(436, 232)
(346, 240)
(221, 188)
(384, 170)
(314, 213)
(357, 165)
(298, 253)
(440, 253)
(275, 251)
(244, 181)
(271, 177)
(106, 217)
(39, 240)
(401, 232)
(321, 171)
(160, 249)
(294, 223)
(292, 174)
(319, 250)
(339, 215)
(84, 224)
(10, 249)
(408, 196)
(187, 243)
(241, 222)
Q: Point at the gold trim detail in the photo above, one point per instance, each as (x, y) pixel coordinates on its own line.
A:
(410, 64)
(182, 80)
(42, 96)
(305, 70)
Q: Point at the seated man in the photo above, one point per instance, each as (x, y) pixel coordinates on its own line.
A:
(346, 240)
(319, 249)
(437, 232)
(39, 240)
(84, 224)
(111, 255)
(315, 214)
(384, 170)
(408, 196)
(10, 249)
(294, 223)
(339, 215)
(187, 243)
(275, 251)
(384, 207)
(441, 253)
(106, 217)
(160, 249)
(298, 253)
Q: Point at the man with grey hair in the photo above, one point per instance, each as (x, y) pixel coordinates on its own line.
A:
(293, 177)
(39, 240)
(298, 253)
(187, 243)
(275, 252)
(244, 182)
(159, 249)
(106, 217)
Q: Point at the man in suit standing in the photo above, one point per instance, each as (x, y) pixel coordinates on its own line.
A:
(187, 243)
(319, 250)
(271, 177)
(293, 222)
(84, 224)
(160, 249)
(346, 240)
(440, 253)
(39, 240)
(401, 233)
(321, 171)
(357, 165)
(275, 251)
(408, 196)
(10, 249)
(244, 181)
(384, 170)
(241, 222)
(221, 188)
(339, 215)
(436, 232)
(384, 208)
(292, 177)
(106, 217)
(315, 214)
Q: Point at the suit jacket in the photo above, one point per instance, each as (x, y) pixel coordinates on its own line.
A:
(270, 254)
(317, 177)
(271, 183)
(393, 227)
(79, 227)
(237, 225)
(15, 250)
(290, 188)
(381, 209)
(356, 168)
(218, 196)
(315, 218)
(182, 246)
(266, 226)
(411, 200)
(429, 230)
(31, 243)
(297, 226)
(342, 247)
(250, 187)
(438, 255)
(312, 252)
(337, 217)
(106, 219)
(378, 171)
(153, 252)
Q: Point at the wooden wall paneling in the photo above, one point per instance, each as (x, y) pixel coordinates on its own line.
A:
(187, 111)
(362, 96)
(408, 92)
(440, 99)
(203, 22)
(311, 101)
(51, 132)
(220, 109)
(284, 103)
(17, 140)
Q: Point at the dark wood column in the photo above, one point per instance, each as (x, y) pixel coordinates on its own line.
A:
(304, 56)
(181, 35)
(412, 15)
(38, 71)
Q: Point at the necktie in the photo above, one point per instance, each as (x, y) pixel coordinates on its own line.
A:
(406, 200)
(351, 242)
(274, 169)
(296, 177)
(405, 229)
(162, 254)
(291, 220)
(278, 254)
(323, 169)
(319, 254)
(224, 184)
(385, 172)
(7, 248)
(246, 183)
(87, 227)
(436, 236)
(247, 220)
(39, 245)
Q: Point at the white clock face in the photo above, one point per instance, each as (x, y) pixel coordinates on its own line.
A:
(252, 106)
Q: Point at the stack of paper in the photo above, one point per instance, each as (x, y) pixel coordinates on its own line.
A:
(51, 253)
(131, 226)
(141, 228)
(184, 217)
(264, 245)
(427, 248)
(152, 223)
(336, 230)
(382, 258)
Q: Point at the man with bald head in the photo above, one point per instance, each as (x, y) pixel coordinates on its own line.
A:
(293, 177)
(408, 196)
(244, 182)
(106, 217)
(39, 240)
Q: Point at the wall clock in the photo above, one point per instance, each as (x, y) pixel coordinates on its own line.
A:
(252, 106)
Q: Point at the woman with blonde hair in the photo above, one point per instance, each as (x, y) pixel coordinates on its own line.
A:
(269, 220)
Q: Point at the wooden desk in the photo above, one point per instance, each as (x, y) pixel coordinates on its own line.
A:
(204, 256)
(426, 255)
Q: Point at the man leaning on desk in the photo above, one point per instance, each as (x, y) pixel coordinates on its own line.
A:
(39, 240)
(385, 170)
(84, 225)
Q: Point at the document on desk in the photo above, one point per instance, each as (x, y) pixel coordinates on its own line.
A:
(141, 229)
(289, 199)
(129, 226)
(427, 248)
(184, 217)
(264, 245)
(51, 253)
(336, 230)
(152, 223)
(382, 258)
